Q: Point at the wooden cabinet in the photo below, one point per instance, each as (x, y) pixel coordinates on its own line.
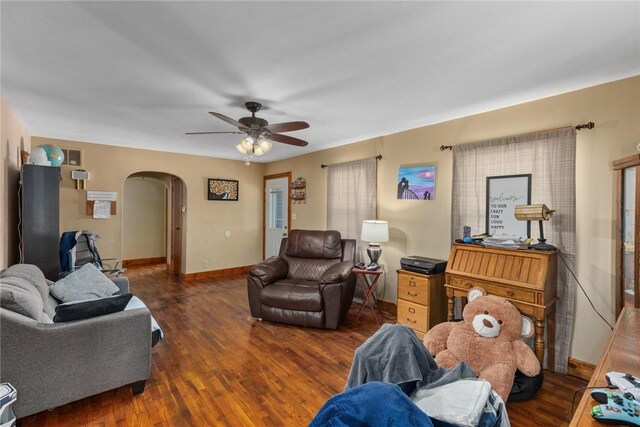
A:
(421, 301)
(627, 233)
(619, 355)
(527, 278)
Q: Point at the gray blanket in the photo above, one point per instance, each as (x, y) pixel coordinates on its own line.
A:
(394, 354)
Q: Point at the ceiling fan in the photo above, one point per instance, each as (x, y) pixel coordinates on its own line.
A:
(259, 132)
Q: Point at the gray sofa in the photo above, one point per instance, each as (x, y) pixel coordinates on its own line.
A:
(51, 364)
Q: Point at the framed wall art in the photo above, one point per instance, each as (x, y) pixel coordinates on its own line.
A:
(222, 189)
(504, 193)
(417, 182)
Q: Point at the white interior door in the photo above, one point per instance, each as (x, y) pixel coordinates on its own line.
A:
(276, 215)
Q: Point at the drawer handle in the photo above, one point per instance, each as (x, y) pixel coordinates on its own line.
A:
(412, 294)
(510, 293)
(412, 283)
(412, 321)
(412, 310)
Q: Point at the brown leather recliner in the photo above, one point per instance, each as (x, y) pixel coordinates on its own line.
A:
(310, 283)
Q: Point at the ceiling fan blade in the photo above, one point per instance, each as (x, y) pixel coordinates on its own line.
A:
(286, 127)
(288, 140)
(228, 120)
(208, 133)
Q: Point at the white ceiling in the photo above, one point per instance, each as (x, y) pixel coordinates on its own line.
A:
(142, 74)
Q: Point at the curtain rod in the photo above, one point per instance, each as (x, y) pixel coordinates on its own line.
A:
(378, 157)
(589, 126)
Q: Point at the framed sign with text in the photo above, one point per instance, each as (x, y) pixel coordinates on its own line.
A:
(504, 193)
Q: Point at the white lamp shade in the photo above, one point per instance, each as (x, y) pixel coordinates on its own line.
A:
(241, 149)
(375, 231)
(264, 144)
(247, 143)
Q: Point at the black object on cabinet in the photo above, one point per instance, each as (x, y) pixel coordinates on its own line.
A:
(40, 218)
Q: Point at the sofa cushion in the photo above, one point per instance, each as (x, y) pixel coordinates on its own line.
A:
(20, 296)
(86, 283)
(292, 295)
(78, 310)
(33, 275)
(314, 244)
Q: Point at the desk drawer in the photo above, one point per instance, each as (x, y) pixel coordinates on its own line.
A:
(518, 294)
(413, 288)
(413, 315)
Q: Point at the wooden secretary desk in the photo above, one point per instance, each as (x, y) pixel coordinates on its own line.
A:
(527, 278)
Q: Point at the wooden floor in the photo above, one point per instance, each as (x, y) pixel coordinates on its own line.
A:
(219, 367)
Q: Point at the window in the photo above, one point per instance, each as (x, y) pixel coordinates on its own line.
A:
(72, 157)
(277, 205)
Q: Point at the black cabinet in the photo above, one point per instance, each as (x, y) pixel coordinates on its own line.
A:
(40, 218)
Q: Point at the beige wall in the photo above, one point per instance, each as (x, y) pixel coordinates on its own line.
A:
(144, 215)
(14, 138)
(424, 228)
(205, 221)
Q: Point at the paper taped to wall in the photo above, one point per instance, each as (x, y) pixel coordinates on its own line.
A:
(102, 209)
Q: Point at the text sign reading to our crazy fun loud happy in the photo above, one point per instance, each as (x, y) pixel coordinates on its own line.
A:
(504, 193)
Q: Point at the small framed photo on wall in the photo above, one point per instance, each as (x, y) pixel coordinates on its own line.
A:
(222, 189)
(417, 182)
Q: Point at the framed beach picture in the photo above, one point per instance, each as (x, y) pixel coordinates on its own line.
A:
(222, 189)
(504, 193)
(417, 182)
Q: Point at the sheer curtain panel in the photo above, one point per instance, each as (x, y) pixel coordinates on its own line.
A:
(550, 158)
(351, 198)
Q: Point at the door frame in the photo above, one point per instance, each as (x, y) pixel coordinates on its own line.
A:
(176, 219)
(264, 205)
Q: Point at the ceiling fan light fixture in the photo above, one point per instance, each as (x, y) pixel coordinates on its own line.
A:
(257, 150)
(247, 143)
(259, 133)
(264, 144)
(241, 148)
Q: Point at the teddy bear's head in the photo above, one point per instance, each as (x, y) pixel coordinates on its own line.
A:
(491, 316)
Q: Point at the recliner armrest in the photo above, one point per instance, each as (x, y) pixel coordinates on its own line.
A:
(337, 273)
(270, 270)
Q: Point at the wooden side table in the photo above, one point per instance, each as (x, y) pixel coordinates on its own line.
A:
(367, 280)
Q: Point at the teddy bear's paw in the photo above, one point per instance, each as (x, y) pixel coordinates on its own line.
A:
(445, 359)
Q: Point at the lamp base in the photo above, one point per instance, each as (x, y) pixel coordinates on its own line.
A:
(542, 246)
(374, 251)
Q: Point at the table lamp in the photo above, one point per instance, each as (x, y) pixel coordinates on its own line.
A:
(374, 232)
(538, 213)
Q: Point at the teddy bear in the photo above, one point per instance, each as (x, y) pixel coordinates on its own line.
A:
(488, 340)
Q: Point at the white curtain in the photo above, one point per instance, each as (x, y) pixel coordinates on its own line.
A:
(550, 158)
(351, 198)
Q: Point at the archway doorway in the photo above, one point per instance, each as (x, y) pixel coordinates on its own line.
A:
(153, 220)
